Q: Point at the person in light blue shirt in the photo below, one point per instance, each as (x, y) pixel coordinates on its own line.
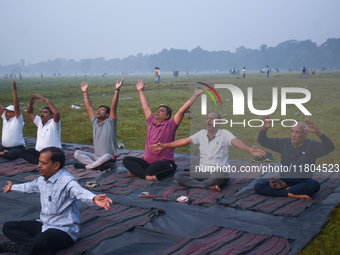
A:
(59, 224)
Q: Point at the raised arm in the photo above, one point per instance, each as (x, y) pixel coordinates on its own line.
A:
(327, 144)
(266, 123)
(29, 110)
(242, 146)
(143, 100)
(113, 110)
(180, 114)
(312, 128)
(177, 143)
(1, 109)
(17, 111)
(54, 109)
(84, 87)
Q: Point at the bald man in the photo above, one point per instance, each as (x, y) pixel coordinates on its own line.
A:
(295, 151)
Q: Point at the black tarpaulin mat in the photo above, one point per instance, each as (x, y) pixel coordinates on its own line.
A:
(181, 220)
(98, 224)
(219, 240)
(285, 206)
(122, 184)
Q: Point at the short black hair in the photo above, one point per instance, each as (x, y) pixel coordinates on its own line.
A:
(48, 108)
(57, 155)
(107, 108)
(168, 110)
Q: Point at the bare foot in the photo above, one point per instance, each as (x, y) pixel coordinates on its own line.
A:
(131, 174)
(3, 153)
(152, 178)
(216, 188)
(299, 196)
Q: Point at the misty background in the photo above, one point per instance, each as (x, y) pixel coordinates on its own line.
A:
(114, 36)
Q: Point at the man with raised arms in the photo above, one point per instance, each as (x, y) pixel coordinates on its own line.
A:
(104, 123)
(161, 129)
(296, 152)
(49, 128)
(12, 140)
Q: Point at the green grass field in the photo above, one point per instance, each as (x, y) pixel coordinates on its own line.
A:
(131, 129)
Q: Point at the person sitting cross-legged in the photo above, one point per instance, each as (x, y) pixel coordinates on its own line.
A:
(59, 223)
(214, 146)
(161, 129)
(295, 151)
(104, 123)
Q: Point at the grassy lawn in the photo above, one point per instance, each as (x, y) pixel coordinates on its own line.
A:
(76, 126)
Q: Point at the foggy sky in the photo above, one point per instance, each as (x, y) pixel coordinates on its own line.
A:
(40, 30)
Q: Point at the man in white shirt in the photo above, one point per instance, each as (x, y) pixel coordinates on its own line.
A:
(49, 128)
(12, 140)
(214, 151)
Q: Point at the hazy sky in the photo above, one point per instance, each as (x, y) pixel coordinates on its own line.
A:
(41, 30)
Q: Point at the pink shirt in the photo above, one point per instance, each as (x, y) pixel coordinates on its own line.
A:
(163, 133)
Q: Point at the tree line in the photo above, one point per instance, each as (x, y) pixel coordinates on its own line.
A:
(288, 55)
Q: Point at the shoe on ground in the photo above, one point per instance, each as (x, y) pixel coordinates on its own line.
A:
(258, 159)
(268, 157)
(107, 165)
(79, 165)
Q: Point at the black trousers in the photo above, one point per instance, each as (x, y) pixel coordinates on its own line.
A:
(13, 152)
(28, 235)
(141, 168)
(31, 155)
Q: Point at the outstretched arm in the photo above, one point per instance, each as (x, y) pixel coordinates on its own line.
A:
(54, 109)
(113, 110)
(84, 87)
(180, 114)
(177, 143)
(103, 201)
(16, 100)
(241, 145)
(8, 187)
(143, 100)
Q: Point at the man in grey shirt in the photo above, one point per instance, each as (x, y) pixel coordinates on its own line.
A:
(104, 133)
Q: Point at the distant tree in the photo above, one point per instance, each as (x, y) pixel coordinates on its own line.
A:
(263, 47)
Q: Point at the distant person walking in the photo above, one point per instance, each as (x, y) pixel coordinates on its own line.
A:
(156, 75)
(304, 72)
(267, 71)
(244, 72)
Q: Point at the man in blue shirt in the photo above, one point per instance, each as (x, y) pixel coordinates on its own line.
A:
(59, 223)
(297, 152)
